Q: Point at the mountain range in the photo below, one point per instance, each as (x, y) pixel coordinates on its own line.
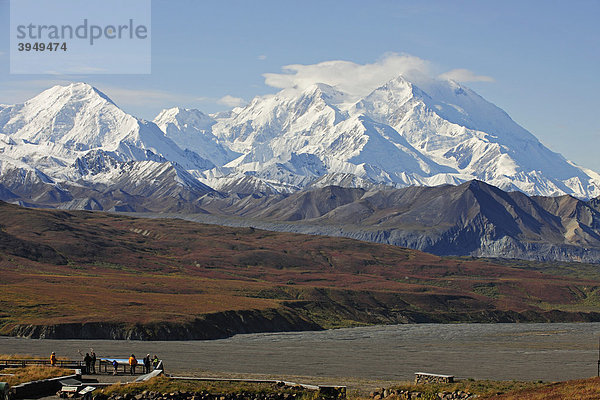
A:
(432, 166)
(399, 135)
(473, 218)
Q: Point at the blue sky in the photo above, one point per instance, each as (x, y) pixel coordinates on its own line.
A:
(538, 60)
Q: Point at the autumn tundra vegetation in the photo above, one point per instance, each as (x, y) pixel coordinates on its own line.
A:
(73, 267)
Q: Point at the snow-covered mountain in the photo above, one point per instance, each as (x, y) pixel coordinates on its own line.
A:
(76, 135)
(191, 129)
(275, 160)
(400, 134)
(64, 122)
(454, 126)
(292, 136)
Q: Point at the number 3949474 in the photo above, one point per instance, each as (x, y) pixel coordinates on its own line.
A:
(41, 46)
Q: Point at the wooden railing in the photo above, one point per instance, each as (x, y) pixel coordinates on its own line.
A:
(22, 363)
(103, 365)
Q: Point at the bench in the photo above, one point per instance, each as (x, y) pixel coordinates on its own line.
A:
(424, 377)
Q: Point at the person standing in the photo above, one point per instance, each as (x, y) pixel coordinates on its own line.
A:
(88, 362)
(93, 362)
(115, 365)
(53, 359)
(132, 364)
(147, 364)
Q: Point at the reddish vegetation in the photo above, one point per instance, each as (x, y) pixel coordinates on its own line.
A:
(581, 389)
(59, 266)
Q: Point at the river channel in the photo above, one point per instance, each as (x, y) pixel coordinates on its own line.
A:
(545, 352)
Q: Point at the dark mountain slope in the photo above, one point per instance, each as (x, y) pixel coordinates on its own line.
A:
(469, 219)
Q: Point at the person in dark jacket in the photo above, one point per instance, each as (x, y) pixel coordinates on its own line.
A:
(147, 363)
(88, 362)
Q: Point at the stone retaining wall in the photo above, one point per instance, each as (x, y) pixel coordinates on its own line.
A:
(36, 389)
(200, 396)
(415, 394)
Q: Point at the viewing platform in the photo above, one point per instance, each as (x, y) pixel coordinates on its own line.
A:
(103, 365)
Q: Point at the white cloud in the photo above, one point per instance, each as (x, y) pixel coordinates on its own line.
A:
(464, 75)
(360, 79)
(262, 57)
(352, 78)
(231, 101)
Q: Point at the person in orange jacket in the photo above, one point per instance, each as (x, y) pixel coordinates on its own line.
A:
(53, 359)
(132, 364)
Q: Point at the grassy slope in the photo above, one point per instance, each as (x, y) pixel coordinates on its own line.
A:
(581, 389)
(162, 384)
(15, 376)
(59, 267)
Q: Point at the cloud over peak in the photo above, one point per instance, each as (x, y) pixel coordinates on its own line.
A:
(360, 79)
(347, 76)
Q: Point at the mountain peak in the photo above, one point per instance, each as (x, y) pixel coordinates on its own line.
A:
(190, 129)
(400, 81)
(77, 115)
(320, 87)
(183, 112)
(62, 123)
(318, 90)
(183, 118)
(77, 91)
(330, 95)
(386, 99)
